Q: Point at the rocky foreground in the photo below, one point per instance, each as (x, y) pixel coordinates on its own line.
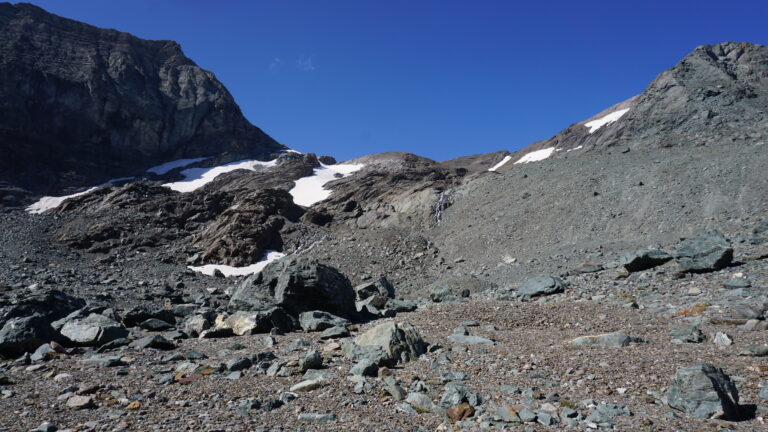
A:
(670, 339)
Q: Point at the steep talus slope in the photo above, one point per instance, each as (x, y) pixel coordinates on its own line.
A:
(551, 214)
(717, 94)
(82, 105)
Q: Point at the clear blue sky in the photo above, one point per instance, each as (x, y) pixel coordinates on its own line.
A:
(437, 78)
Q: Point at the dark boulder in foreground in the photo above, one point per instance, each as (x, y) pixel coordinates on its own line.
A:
(20, 335)
(704, 391)
(296, 284)
(708, 251)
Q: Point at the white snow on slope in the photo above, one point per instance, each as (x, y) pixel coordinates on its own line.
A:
(309, 190)
(168, 166)
(268, 257)
(48, 202)
(594, 125)
(195, 178)
(536, 155)
(500, 164)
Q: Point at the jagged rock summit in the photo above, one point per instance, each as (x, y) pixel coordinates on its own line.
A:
(82, 105)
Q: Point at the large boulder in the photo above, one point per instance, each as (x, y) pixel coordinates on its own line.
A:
(297, 284)
(51, 305)
(401, 342)
(708, 251)
(93, 330)
(704, 391)
(20, 335)
(644, 259)
(540, 286)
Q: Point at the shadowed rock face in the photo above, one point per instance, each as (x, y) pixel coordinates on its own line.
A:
(82, 105)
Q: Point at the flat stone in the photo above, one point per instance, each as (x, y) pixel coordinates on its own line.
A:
(79, 402)
(615, 340)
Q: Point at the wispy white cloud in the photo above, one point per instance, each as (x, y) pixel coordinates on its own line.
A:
(305, 63)
(276, 64)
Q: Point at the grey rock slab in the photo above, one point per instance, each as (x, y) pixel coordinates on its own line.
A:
(708, 251)
(540, 286)
(614, 340)
(704, 391)
(470, 340)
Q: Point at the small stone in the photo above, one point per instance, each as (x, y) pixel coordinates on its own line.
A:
(133, 406)
(316, 418)
(737, 282)
(460, 412)
(47, 427)
(506, 414)
(307, 385)
(722, 339)
(364, 367)
(614, 340)
(79, 402)
(311, 360)
(755, 351)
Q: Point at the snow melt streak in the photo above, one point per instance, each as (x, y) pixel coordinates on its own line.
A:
(536, 155)
(594, 125)
(268, 257)
(309, 190)
(500, 164)
(195, 178)
(168, 166)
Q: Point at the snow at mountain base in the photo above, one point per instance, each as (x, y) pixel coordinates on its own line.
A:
(168, 166)
(506, 159)
(310, 190)
(195, 178)
(268, 257)
(536, 155)
(48, 202)
(594, 125)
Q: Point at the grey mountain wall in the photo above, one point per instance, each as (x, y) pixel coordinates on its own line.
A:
(82, 104)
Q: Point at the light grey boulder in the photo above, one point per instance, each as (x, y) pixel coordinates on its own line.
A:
(704, 391)
(93, 330)
(708, 251)
(540, 286)
(400, 342)
(610, 340)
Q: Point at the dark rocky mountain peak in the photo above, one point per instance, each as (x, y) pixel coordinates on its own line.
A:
(82, 105)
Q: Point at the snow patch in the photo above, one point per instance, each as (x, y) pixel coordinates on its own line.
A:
(169, 166)
(506, 159)
(536, 155)
(594, 125)
(195, 178)
(575, 148)
(48, 202)
(309, 190)
(268, 257)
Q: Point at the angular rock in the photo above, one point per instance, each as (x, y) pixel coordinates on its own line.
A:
(79, 402)
(20, 335)
(154, 341)
(687, 334)
(93, 330)
(155, 324)
(400, 341)
(708, 251)
(460, 412)
(297, 284)
(540, 286)
(420, 402)
(364, 367)
(334, 333)
(704, 391)
(470, 340)
(440, 293)
(381, 287)
(51, 305)
(318, 321)
(614, 340)
(644, 259)
(311, 360)
(253, 322)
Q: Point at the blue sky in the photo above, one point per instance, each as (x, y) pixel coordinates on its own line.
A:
(437, 78)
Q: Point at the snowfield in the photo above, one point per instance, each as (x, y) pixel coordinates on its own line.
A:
(195, 178)
(310, 190)
(536, 155)
(506, 159)
(595, 125)
(228, 271)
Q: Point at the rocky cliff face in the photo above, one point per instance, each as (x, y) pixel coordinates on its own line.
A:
(82, 105)
(716, 95)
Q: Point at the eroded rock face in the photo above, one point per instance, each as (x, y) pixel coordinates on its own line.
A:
(704, 391)
(296, 284)
(113, 104)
